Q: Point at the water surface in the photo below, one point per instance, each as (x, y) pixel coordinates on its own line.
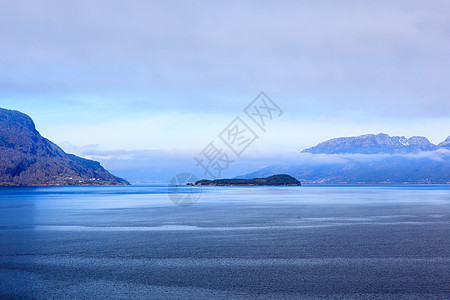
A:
(312, 242)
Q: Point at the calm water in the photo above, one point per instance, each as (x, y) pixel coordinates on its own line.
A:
(316, 242)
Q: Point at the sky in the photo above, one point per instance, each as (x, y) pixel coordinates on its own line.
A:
(143, 86)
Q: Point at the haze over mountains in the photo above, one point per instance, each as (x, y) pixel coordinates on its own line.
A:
(28, 159)
(368, 159)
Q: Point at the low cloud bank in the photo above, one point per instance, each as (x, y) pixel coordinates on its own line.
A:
(159, 165)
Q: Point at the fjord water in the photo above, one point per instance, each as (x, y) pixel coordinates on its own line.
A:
(312, 242)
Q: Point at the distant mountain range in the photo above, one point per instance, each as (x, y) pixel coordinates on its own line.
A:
(28, 159)
(376, 144)
(368, 159)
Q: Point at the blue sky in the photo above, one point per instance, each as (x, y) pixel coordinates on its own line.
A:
(147, 85)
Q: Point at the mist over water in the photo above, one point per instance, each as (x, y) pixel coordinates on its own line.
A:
(363, 242)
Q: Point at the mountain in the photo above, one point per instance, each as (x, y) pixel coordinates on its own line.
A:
(368, 159)
(280, 179)
(371, 143)
(389, 169)
(445, 144)
(28, 159)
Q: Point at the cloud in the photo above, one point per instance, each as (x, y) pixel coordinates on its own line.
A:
(379, 57)
(344, 158)
(159, 165)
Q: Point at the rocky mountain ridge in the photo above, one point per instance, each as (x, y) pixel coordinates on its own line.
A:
(379, 143)
(29, 159)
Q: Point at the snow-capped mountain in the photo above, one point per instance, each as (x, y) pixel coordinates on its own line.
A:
(379, 143)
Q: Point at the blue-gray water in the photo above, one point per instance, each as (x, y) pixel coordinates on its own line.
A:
(312, 242)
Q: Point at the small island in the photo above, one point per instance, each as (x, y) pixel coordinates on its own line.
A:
(275, 180)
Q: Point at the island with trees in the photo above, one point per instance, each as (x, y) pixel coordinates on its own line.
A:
(275, 180)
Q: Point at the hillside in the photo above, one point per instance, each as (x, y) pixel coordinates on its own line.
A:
(28, 159)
